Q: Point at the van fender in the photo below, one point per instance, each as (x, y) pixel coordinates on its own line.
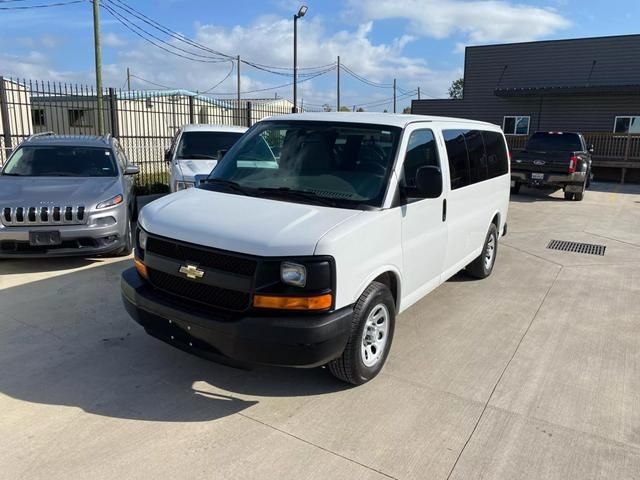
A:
(375, 274)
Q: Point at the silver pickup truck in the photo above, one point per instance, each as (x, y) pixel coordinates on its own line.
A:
(66, 195)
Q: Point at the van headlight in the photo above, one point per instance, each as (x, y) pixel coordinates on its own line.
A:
(142, 239)
(110, 202)
(182, 185)
(293, 274)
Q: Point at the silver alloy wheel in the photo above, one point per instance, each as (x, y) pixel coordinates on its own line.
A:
(374, 338)
(490, 252)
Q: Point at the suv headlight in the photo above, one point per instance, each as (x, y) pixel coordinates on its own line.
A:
(182, 185)
(293, 274)
(118, 199)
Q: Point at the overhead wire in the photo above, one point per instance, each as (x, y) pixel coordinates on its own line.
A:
(42, 5)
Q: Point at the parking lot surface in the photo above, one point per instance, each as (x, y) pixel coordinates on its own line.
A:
(532, 373)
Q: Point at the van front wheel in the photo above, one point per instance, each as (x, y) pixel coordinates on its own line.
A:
(482, 266)
(372, 330)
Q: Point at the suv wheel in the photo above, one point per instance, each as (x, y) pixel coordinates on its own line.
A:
(516, 188)
(578, 196)
(372, 328)
(568, 196)
(128, 246)
(482, 266)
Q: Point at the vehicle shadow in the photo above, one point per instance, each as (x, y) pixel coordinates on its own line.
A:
(36, 265)
(68, 341)
(531, 195)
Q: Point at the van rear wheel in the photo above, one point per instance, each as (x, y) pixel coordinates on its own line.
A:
(482, 266)
(372, 330)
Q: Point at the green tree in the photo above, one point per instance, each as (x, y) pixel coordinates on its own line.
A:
(456, 89)
(344, 109)
(406, 110)
(360, 109)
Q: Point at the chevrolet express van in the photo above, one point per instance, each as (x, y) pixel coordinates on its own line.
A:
(314, 232)
(195, 150)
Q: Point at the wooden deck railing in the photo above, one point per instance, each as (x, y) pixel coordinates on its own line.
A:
(607, 147)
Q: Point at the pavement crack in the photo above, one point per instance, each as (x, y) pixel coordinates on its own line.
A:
(495, 386)
(316, 446)
(532, 254)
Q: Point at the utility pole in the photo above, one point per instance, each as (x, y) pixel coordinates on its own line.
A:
(128, 80)
(338, 87)
(394, 95)
(96, 43)
(238, 78)
(418, 93)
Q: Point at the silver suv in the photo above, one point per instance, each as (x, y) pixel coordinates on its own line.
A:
(66, 195)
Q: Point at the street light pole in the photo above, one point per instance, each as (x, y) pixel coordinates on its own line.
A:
(300, 14)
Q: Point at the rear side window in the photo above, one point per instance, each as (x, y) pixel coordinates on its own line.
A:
(458, 159)
(421, 152)
(497, 159)
(477, 156)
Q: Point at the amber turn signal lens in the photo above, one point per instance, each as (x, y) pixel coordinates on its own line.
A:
(141, 268)
(319, 302)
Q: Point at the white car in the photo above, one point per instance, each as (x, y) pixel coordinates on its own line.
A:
(303, 253)
(195, 150)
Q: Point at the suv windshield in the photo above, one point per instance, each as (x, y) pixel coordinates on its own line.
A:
(61, 161)
(559, 142)
(205, 145)
(341, 164)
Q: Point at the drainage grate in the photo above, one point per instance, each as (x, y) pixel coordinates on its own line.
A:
(577, 247)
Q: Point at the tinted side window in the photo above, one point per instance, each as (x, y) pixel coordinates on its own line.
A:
(477, 156)
(458, 159)
(421, 151)
(497, 160)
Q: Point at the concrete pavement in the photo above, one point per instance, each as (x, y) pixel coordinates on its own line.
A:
(532, 373)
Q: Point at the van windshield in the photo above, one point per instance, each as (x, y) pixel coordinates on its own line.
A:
(61, 161)
(340, 164)
(205, 145)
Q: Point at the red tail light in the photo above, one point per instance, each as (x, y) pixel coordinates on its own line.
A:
(573, 162)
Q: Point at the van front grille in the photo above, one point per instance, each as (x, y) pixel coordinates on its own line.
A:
(206, 294)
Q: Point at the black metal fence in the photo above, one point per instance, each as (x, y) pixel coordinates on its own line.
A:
(144, 121)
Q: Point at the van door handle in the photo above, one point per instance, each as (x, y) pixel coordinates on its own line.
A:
(444, 210)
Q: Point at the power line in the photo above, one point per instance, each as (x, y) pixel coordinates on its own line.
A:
(153, 83)
(221, 81)
(43, 5)
(365, 80)
(135, 29)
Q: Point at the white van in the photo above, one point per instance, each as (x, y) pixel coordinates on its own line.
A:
(303, 253)
(195, 150)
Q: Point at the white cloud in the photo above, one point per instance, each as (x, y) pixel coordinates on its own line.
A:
(112, 40)
(480, 21)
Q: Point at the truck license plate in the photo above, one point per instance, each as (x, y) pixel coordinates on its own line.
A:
(537, 176)
(43, 239)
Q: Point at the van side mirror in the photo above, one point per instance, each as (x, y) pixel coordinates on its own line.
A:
(590, 148)
(167, 155)
(131, 170)
(428, 182)
(222, 153)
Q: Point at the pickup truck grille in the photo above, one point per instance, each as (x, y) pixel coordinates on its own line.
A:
(43, 215)
(206, 294)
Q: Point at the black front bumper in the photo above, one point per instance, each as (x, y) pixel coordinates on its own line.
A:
(298, 341)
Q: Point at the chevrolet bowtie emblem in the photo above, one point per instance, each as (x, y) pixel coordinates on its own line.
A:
(191, 271)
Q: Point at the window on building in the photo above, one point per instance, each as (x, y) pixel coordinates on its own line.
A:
(458, 159)
(630, 124)
(79, 117)
(37, 117)
(516, 125)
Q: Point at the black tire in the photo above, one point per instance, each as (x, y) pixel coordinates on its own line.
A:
(578, 196)
(350, 366)
(516, 189)
(480, 267)
(568, 196)
(128, 246)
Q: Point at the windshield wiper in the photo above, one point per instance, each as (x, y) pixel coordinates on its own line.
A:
(235, 186)
(300, 194)
(197, 156)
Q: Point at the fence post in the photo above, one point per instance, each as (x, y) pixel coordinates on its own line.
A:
(248, 114)
(627, 147)
(192, 114)
(4, 112)
(113, 111)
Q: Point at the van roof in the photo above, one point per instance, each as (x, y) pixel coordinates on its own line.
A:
(376, 118)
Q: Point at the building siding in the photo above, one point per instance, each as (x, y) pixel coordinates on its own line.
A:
(606, 61)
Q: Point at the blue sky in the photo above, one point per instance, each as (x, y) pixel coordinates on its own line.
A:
(419, 42)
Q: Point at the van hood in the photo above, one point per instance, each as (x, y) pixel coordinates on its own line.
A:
(255, 226)
(191, 168)
(28, 191)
